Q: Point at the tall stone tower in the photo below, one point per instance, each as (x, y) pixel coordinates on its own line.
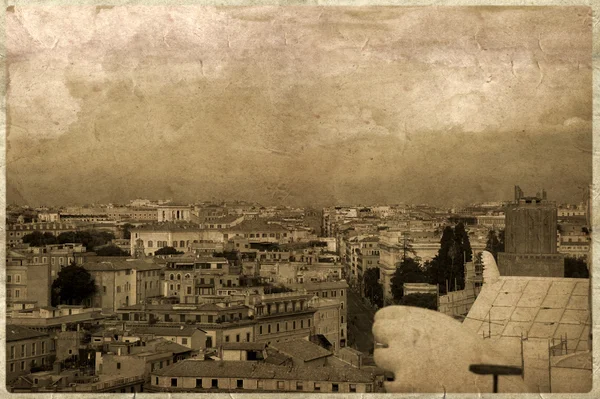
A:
(530, 238)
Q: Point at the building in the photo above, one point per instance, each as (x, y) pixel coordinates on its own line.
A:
(327, 322)
(16, 231)
(337, 292)
(27, 350)
(282, 317)
(189, 336)
(244, 376)
(533, 321)
(303, 353)
(531, 239)
(221, 322)
(174, 213)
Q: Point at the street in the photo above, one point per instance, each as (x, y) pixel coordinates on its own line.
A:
(360, 323)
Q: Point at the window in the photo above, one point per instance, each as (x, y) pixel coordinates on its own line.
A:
(214, 383)
(269, 329)
(301, 323)
(33, 349)
(308, 323)
(189, 290)
(210, 318)
(18, 278)
(247, 337)
(173, 382)
(171, 287)
(23, 351)
(150, 244)
(22, 366)
(280, 385)
(104, 289)
(294, 325)
(352, 387)
(12, 352)
(155, 380)
(239, 384)
(12, 367)
(118, 366)
(198, 382)
(184, 341)
(227, 338)
(317, 386)
(299, 386)
(174, 244)
(43, 348)
(277, 327)
(335, 387)
(260, 331)
(9, 278)
(237, 338)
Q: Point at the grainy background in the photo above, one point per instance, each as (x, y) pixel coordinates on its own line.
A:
(339, 119)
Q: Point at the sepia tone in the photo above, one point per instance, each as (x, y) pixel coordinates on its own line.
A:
(298, 199)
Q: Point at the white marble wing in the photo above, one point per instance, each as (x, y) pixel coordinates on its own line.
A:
(490, 268)
(430, 352)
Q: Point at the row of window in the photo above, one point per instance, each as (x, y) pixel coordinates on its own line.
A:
(24, 350)
(12, 366)
(264, 235)
(9, 293)
(238, 337)
(299, 385)
(278, 328)
(17, 278)
(184, 318)
(325, 294)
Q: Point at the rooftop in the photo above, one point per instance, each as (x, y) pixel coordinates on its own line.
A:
(249, 346)
(118, 263)
(537, 307)
(18, 333)
(301, 349)
(166, 331)
(260, 370)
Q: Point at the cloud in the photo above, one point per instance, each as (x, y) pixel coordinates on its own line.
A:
(312, 101)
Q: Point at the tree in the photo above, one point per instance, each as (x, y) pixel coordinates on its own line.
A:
(427, 301)
(126, 228)
(408, 271)
(72, 286)
(495, 243)
(89, 239)
(167, 251)
(373, 290)
(39, 239)
(276, 289)
(447, 267)
(576, 268)
(110, 250)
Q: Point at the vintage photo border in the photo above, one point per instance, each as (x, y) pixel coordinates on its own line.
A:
(595, 5)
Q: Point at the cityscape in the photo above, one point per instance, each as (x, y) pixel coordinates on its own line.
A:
(308, 200)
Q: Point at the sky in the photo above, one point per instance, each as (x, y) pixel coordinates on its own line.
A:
(298, 105)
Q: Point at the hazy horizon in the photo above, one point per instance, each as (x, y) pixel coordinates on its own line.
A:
(306, 106)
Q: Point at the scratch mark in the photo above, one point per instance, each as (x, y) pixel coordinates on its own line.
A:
(165, 38)
(541, 74)
(365, 45)
(540, 43)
